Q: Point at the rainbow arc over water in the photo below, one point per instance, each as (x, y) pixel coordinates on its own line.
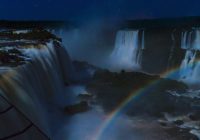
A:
(135, 94)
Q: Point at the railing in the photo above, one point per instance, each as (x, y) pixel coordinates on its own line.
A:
(25, 129)
(6, 110)
(17, 133)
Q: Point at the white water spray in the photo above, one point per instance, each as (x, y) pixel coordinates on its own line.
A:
(126, 54)
(190, 66)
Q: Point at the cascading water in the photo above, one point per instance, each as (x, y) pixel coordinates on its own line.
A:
(191, 39)
(127, 53)
(34, 89)
(190, 66)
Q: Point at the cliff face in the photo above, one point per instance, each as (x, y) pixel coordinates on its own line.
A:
(34, 69)
(162, 50)
(170, 51)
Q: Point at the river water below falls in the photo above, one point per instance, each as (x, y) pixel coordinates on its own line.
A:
(90, 125)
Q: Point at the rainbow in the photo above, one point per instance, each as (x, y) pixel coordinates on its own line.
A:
(119, 109)
(110, 119)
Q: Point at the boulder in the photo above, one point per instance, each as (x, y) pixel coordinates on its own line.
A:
(77, 108)
(85, 97)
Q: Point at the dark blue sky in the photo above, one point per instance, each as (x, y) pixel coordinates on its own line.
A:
(89, 9)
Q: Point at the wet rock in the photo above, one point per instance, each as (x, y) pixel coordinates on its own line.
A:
(194, 116)
(163, 124)
(12, 57)
(178, 122)
(77, 108)
(85, 97)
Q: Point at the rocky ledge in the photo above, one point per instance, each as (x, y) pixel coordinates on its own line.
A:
(14, 42)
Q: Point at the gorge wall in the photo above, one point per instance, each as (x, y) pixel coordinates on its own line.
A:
(158, 50)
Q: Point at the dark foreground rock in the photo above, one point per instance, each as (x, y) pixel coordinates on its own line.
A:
(77, 108)
(85, 97)
(111, 89)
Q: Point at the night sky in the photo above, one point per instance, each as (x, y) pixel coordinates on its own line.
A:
(94, 9)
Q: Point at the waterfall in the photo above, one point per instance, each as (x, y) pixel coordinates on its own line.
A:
(127, 51)
(190, 66)
(35, 88)
(191, 39)
(187, 64)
